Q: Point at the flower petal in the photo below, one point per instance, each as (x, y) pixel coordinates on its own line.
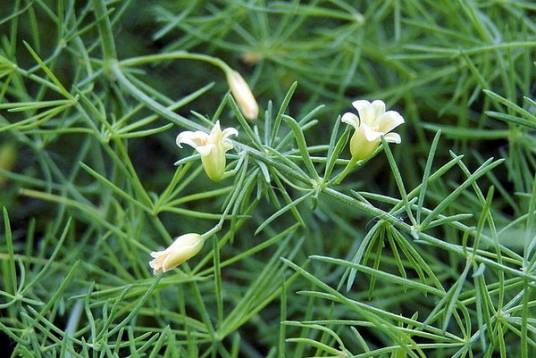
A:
(193, 139)
(363, 108)
(205, 150)
(216, 130)
(227, 144)
(367, 112)
(227, 132)
(378, 109)
(360, 104)
(389, 121)
(351, 119)
(156, 264)
(156, 254)
(393, 138)
(153, 264)
(370, 134)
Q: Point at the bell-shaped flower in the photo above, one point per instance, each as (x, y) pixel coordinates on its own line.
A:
(183, 248)
(243, 95)
(372, 124)
(212, 147)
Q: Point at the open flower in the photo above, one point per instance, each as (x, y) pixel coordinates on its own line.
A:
(372, 124)
(243, 95)
(183, 248)
(212, 148)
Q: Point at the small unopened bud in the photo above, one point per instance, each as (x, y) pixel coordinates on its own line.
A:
(243, 95)
(251, 58)
(183, 248)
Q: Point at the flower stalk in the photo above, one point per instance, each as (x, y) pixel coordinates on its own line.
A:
(237, 84)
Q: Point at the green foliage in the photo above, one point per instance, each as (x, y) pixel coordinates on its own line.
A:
(426, 249)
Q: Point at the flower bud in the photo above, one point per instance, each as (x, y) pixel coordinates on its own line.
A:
(251, 57)
(183, 248)
(242, 94)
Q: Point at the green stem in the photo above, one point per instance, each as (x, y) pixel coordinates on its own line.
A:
(105, 32)
(349, 167)
(151, 103)
(136, 61)
(191, 125)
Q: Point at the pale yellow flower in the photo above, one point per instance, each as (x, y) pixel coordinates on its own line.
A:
(212, 147)
(183, 248)
(243, 95)
(372, 124)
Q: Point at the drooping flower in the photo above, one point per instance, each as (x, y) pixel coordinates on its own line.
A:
(243, 95)
(183, 248)
(212, 148)
(372, 124)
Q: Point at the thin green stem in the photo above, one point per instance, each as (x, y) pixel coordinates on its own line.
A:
(168, 56)
(344, 173)
(105, 32)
